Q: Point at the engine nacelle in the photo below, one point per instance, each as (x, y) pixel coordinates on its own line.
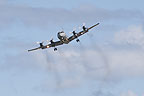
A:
(41, 44)
(84, 28)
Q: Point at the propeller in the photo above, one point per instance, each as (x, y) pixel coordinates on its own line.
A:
(83, 27)
(75, 34)
(74, 29)
(84, 24)
(62, 29)
(40, 42)
(49, 40)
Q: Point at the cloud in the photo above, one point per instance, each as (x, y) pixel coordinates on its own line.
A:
(48, 16)
(129, 93)
(71, 67)
(133, 35)
(68, 66)
(126, 64)
(102, 93)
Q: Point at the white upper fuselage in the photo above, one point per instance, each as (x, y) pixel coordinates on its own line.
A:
(62, 36)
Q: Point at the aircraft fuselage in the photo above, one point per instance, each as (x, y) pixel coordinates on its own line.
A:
(62, 37)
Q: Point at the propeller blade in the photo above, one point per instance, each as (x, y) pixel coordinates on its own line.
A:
(38, 42)
(51, 38)
(74, 29)
(80, 28)
(70, 32)
(47, 41)
(84, 24)
(62, 29)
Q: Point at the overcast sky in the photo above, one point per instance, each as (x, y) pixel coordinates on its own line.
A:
(107, 62)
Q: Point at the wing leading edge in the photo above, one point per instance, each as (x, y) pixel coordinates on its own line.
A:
(34, 49)
(81, 33)
(54, 44)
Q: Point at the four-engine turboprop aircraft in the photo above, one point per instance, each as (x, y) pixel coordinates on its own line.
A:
(63, 39)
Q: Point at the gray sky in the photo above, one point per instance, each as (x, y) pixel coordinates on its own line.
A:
(107, 62)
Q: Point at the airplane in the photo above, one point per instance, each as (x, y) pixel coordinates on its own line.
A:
(63, 39)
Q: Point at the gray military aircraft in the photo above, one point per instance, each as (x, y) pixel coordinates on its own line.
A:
(63, 39)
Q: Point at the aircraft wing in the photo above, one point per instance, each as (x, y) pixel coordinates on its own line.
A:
(93, 26)
(57, 43)
(34, 49)
(81, 33)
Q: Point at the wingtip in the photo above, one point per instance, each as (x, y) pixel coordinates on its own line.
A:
(29, 50)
